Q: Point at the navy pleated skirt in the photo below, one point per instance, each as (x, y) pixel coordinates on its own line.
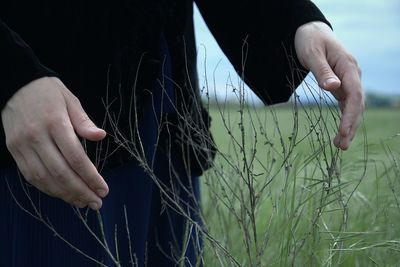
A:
(139, 225)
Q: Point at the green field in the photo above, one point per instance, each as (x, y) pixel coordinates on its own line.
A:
(280, 194)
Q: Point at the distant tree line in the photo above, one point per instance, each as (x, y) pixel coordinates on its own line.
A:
(379, 100)
(371, 100)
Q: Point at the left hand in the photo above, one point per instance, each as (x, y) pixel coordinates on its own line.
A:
(336, 71)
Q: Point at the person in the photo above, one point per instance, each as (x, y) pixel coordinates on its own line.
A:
(92, 97)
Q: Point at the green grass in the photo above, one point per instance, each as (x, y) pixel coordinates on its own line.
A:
(281, 195)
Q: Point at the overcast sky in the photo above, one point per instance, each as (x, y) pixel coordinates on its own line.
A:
(370, 29)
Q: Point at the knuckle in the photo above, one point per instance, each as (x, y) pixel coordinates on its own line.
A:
(77, 161)
(53, 122)
(38, 177)
(35, 177)
(60, 175)
(353, 62)
(32, 133)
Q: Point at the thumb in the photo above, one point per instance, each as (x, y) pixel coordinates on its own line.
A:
(324, 74)
(81, 122)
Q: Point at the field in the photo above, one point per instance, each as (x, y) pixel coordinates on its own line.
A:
(280, 194)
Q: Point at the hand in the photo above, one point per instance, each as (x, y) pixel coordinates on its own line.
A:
(40, 122)
(336, 71)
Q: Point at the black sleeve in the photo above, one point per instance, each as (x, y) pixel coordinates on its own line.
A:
(257, 36)
(18, 64)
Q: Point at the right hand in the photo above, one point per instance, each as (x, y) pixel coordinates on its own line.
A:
(40, 121)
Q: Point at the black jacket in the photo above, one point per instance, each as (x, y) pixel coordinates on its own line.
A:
(95, 48)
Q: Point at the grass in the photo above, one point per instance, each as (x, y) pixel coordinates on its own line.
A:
(281, 195)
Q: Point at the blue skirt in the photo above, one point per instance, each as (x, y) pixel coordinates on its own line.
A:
(152, 232)
(140, 226)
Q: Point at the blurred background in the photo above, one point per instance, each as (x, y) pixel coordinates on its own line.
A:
(369, 29)
(355, 192)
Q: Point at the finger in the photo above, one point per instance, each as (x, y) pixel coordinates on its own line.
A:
(36, 174)
(353, 108)
(28, 163)
(322, 71)
(65, 177)
(347, 129)
(81, 122)
(72, 150)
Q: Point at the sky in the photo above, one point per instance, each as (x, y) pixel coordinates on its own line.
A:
(369, 29)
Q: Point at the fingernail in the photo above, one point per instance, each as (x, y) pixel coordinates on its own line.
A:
(93, 128)
(101, 193)
(329, 81)
(94, 205)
